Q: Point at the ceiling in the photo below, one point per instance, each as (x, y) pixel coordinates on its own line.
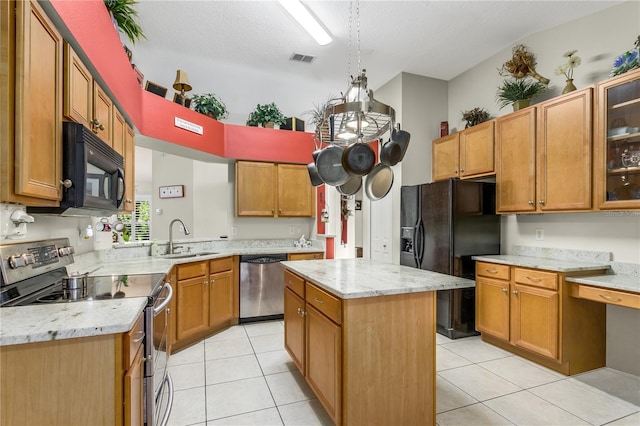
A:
(240, 50)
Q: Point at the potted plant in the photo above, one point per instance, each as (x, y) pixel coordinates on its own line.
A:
(475, 116)
(268, 115)
(317, 118)
(209, 104)
(125, 16)
(518, 92)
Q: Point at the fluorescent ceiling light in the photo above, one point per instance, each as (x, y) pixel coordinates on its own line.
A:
(308, 22)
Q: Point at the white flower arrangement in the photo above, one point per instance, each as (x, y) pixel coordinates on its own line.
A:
(572, 62)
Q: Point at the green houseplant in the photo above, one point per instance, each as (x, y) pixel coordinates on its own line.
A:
(516, 90)
(126, 18)
(209, 104)
(475, 116)
(267, 115)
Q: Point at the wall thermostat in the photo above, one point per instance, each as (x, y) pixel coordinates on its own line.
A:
(173, 191)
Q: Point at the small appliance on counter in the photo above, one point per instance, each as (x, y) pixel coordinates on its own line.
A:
(443, 224)
(35, 273)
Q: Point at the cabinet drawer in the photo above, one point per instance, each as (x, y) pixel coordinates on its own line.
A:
(536, 278)
(133, 341)
(492, 270)
(220, 265)
(192, 270)
(324, 302)
(305, 256)
(294, 282)
(614, 297)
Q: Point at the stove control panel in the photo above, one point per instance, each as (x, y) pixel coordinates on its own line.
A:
(22, 260)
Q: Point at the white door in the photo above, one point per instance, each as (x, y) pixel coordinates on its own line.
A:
(382, 229)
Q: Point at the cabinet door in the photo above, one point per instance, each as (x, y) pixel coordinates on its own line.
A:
(294, 327)
(220, 298)
(516, 162)
(492, 307)
(118, 131)
(129, 170)
(38, 110)
(102, 110)
(534, 320)
(323, 361)
(78, 88)
(477, 150)
(295, 193)
(616, 142)
(564, 152)
(305, 256)
(133, 386)
(193, 307)
(255, 188)
(444, 157)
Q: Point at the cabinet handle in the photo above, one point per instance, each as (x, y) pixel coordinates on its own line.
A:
(279, 210)
(610, 298)
(212, 281)
(206, 283)
(139, 339)
(96, 125)
(541, 202)
(505, 290)
(534, 279)
(128, 200)
(515, 292)
(67, 183)
(492, 271)
(531, 202)
(455, 172)
(461, 170)
(318, 300)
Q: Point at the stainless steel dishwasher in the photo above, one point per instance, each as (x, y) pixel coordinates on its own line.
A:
(261, 287)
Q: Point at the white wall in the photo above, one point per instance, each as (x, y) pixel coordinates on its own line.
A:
(599, 39)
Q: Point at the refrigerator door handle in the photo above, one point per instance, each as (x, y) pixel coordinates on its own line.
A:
(416, 245)
(419, 250)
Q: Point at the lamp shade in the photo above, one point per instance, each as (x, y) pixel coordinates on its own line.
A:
(182, 81)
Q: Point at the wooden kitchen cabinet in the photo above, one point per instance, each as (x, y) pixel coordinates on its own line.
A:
(220, 291)
(193, 301)
(119, 131)
(294, 334)
(104, 372)
(129, 155)
(273, 190)
(617, 143)
(530, 312)
(31, 106)
(466, 154)
(305, 256)
(544, 156)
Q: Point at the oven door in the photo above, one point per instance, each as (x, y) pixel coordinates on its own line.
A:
(159, 388)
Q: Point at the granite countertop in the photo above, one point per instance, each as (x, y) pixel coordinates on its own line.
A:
(356, 278)
(614, 282)
(39, 323)
(557, 265)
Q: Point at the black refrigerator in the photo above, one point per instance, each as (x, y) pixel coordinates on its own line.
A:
(443, 225)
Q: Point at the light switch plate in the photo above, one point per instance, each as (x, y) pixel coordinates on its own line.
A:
(173, 191)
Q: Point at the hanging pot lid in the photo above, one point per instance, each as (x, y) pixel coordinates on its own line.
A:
(358, 159)
(351, 186)
(379, 182)
(329, 165)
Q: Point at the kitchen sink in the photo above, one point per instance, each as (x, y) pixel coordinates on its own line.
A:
(187, 255)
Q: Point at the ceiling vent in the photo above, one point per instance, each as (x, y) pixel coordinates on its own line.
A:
(302, 58)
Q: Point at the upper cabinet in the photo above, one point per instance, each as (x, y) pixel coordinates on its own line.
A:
(32, 80)
(617, 143)
(466, 154)
(273, 190)
(129, 170)
(544, 156)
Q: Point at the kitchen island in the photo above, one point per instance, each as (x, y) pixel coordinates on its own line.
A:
(363, 335)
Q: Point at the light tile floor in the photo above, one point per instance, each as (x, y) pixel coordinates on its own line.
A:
(243, 376)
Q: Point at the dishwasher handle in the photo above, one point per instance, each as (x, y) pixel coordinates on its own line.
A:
(263, 259)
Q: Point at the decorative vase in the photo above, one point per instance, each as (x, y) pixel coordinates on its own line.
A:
(522, 103)
(268, 124)
(569, 87)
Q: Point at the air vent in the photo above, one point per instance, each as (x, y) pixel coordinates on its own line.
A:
(302, 58)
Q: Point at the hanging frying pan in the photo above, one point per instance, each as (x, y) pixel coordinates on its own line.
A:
(401, 138)
(379, 182)
(358, 159)
(390, 153)
(351, 186)
(329, 164)
(315, 178)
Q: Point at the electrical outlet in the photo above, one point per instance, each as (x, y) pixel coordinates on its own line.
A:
(292, 230)
(539, 234)
(234, 230)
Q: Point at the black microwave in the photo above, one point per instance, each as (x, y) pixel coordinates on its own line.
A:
(92, 175)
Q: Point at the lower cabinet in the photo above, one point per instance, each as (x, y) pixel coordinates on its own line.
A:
(80, 381)
(305, 256)
(530, 312)
(347, 350)
(206, 299)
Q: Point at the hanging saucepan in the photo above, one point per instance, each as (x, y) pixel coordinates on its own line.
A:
(315, 178)
(351, 186)
(379, 182)
(329, 165)
(358, 159)
(393, 151)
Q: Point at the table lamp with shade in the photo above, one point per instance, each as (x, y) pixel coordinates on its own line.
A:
(182, 84)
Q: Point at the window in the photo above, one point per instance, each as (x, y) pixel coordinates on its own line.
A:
(137, 227)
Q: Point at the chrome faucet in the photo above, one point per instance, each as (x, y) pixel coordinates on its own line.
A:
(186, 232)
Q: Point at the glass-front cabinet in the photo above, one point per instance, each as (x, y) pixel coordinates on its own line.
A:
(617, 143)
